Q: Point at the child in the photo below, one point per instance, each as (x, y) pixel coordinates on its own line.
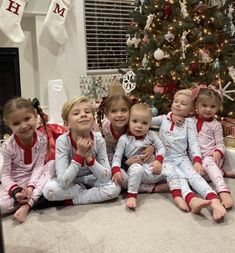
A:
(131, 144)
(81, 159)
(24, 173)
(181, 139)
(117, 110)
(208, 101)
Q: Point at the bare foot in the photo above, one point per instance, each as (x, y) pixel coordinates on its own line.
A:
(21, 213)
(196, 204)
(180, 202)
(131, 203)
(218, 210)
(226, 199)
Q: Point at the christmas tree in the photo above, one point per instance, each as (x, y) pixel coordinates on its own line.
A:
(176, 44)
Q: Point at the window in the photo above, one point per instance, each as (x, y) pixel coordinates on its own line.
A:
(106, 24)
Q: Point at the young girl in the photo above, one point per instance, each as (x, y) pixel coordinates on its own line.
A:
(24, 173)
(81, 159)
(208, 101)
(181, 139)
(117, 110)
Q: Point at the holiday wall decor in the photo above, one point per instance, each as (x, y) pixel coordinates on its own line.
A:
(10, 18)
(55, 20)
(183, 44)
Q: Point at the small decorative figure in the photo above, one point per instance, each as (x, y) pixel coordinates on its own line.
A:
(129, 42)
(216, 64)
(149, 21)
(184, 42)
(169, 36)
(145, 61)
(183, 7)
(231, 72)
(230, 12)
(136, 41)
(205, 55)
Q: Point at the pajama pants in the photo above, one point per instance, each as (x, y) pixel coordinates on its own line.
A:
(215, 174)
(146, 188)
(9, 205)
(142, 174)
(78, 193)
(185, 170)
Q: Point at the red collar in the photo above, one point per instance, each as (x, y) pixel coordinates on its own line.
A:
(116, 137)
(200, 121)
(204, 119)
(26, 146)
(73, 142)
(27, 149)
(136, 137)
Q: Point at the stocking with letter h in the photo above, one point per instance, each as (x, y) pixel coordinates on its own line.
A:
(10, 18)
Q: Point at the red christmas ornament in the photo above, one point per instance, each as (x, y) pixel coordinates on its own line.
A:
(171, 88)
(201, 7)
(194, 68)
(166, 10)
(158, 89)
(132, 23)
(146, 39)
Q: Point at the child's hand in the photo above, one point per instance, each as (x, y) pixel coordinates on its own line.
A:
(147, 154)
(118, 178)
(178, 120)
(83, 145)
(217, 157)
(133, 159)
(21, 197)
(198, 167)
(157, 167)
(88, 153)
(29, 192)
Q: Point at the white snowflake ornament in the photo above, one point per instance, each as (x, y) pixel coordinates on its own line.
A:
(224, 90)
(128, 82)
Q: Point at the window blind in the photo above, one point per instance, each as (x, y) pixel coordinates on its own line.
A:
(106, 23)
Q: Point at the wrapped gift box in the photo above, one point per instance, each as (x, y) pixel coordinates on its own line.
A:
(228, 125)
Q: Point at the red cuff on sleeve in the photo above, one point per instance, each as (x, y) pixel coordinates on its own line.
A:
(115, 170)
(91, 163)
(79, 159)
(13, 187)
(197, 159)
(159, 158)
(221, 153)
(176, 193)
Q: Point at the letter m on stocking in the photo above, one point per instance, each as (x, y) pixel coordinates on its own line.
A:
(58, 10)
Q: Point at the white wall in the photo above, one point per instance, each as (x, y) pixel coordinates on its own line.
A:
(42, 60)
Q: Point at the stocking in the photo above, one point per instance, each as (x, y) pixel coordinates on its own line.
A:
(10, 17)
(55, 20)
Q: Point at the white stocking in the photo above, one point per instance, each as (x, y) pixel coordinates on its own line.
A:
(55, 20)
(10, 17)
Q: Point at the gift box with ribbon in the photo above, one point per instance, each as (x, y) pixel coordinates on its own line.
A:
(228, 125)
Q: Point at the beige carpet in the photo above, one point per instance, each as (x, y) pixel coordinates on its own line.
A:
(156, 226)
